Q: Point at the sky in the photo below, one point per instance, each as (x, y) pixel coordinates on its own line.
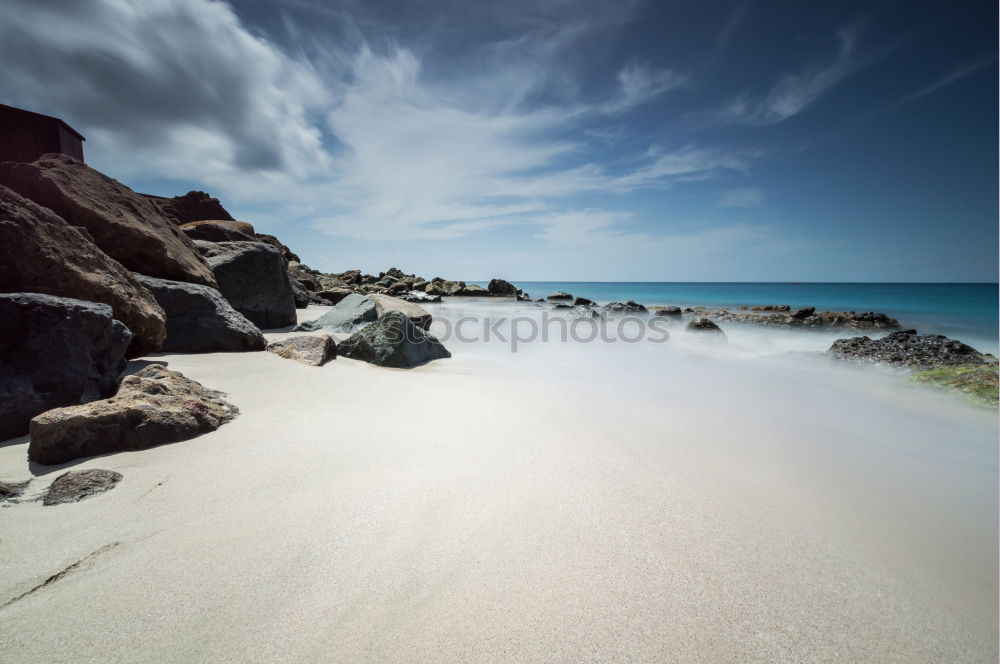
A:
(561, 140)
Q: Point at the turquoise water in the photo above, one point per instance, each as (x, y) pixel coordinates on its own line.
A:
(963, 311)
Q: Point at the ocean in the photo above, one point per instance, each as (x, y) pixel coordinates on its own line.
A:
(968, 312)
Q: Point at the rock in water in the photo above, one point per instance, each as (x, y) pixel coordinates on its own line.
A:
(584, 311)
(669, 312)
(499, 287)
(252, 277)
(472, 290)
(314, 351)
(583, 301)
(55, 351)
(393, 341)
(200, 320)
(76, 485)
(630, 307)
(152, 407)
(125, 225)
(41, 253)
(706, 326)
(559, 295)
(352, 311)
(906, 348)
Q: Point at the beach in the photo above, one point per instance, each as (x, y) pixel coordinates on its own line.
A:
(572, 502)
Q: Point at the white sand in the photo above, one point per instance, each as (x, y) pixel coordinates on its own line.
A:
(471, 511)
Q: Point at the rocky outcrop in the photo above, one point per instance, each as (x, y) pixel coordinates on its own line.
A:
(42, 253)
(767, 307)
(192, 206)
(351, 312)
(126, 226)
(908, 349)
(243, 227)
(213, 232)
(200, 320)
(559, 295)
(312, 350)
(806, 318)
(252, 277)
(630, 307)
(55, 351)
(501, 288)
(417, 314)
(76, 485)
(286, 253)
(152, 407)
(706, 327)
(393, 341)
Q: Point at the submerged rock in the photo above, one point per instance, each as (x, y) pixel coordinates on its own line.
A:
(393, 341)
(253, 278)
(76, 485)
(200, 320)
(55, 351)
(152, 407)
(312, 350)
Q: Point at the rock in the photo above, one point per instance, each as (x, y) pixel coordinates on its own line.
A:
(76, 485)
(42, 253)
(314, 351)
(351, 312)
(472, 290)
(804, 312)
(12, 490)
(152, 407)
(584, 311)
(434, 290)
(200, 320)
(521, 296)
(286, 253)
(303, 297)
(499, 287)
(563, 306)
(670, 312)
(418, 296)
(126, 226)
(243, 227)
(55, 351)
(630, 307)
(451, 287)
(192, 206)
(976, 381)
(559, 295)
(705, 326)
(583, 301)
(393, 341)
(417, 315)
(252, 277)
(212, 232)
(908, 349)
(767, 307)
(334, 295)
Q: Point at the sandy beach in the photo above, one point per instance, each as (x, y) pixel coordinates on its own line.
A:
(472, 510)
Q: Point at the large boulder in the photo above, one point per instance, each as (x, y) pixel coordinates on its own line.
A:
(55, 351)
(559, 295)
(908, 349)
(286, 253)
(192, 206)
(200, 320)
(393, 341)
(312, 350)
(707, 328)
(669, 312)
(125, 225)
(41, 253)
(500, 287)
(472, 290)
(352, 311)
(213, 232)
(152, 407)
(417, 314)
(253, 279)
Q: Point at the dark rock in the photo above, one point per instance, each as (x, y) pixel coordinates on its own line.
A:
(314, 351)
(559, 295)
(125, 225)
(200, 320)
(351, 312)
(393, 341)
(76, 485)
(12, 490)
(303, 297)
(767, 307)
(906, 348)
(472, 290)
(563, 306)
(286, 253)
(152, 407)
(584, 311)
(671, 312)
(215, 233)
(704, 325)
(192, 206)
(522, 296)
(584, 301)
(42, 253)
(334, 295)
(54, 352)
(630, 307)
(499, 287)
(804, 312)
(252, 277)
(243, 227)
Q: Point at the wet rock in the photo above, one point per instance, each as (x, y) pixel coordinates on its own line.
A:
(705, 326)
(583, 301)
(200, 320)
(630, 307)
(804, 312)
(312, 350)
(767, 307)
(152, 407)
(55, 351)
(906, 348)
(12, 490)
(41, 253)
(584, 311)
(501, 288)
(126, 226)
(669, 312)
(559, 295)
(393, 341)
(253, 278)
(76, 485)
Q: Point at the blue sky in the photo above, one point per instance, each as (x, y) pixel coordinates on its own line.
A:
(548, 139)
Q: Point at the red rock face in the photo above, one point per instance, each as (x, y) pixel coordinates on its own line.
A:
(126, 226)
(41, 253)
